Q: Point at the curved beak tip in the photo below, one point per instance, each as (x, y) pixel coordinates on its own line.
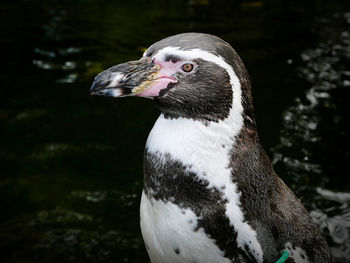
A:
(93, 86)
(127, 79)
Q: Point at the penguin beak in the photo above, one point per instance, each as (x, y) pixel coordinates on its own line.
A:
(127, 79)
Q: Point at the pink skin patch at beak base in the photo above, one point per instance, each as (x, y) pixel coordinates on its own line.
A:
(167, 69)
(159, 85)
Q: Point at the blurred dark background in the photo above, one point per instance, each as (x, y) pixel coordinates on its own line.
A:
(71, 164)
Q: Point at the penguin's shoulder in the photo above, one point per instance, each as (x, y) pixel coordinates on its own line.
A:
(270, 207)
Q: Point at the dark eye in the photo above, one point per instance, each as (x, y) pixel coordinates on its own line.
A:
(188, 67)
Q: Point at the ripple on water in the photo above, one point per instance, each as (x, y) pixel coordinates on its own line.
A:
(120, 199)
(52, 150)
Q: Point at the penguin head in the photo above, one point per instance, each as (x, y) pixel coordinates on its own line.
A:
(191, 75)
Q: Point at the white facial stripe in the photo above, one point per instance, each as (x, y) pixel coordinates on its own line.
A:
(205, 55)
(206, 148)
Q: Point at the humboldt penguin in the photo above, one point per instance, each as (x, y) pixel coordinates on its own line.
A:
(210, 193)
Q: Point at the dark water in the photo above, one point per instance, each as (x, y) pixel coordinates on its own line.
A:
(71, 164)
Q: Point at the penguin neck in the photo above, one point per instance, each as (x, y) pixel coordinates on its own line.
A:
(182, 138)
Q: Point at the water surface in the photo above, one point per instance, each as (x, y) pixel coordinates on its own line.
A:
(71, 164)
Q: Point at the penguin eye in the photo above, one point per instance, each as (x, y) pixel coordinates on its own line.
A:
(188, 67)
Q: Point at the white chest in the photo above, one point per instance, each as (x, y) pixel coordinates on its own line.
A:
(205, 150)
(171, 236)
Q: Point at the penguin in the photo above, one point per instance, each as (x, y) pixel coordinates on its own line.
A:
(210, 193)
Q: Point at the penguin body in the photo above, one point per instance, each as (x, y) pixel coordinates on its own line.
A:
(210, 192)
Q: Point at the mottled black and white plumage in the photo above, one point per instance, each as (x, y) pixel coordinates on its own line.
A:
(210, 192)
